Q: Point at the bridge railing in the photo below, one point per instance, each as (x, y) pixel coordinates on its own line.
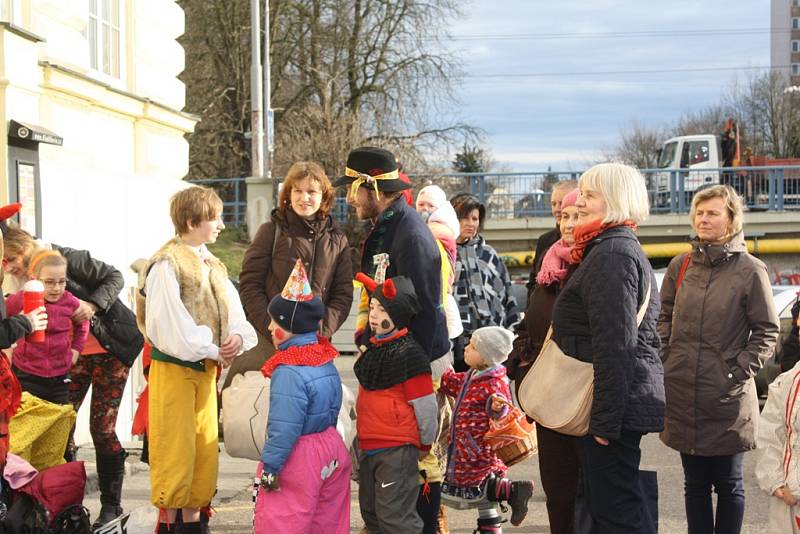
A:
(527, 194)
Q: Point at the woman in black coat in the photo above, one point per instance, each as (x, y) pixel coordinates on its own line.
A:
(595, 320)
(113, 345)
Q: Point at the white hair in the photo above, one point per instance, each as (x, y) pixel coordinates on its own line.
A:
(622, 187)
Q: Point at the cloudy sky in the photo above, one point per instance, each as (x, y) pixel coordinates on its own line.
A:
(528, 65)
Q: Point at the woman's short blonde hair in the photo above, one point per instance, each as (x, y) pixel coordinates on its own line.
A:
(194, 204)
(733, 202)
(18, 242)
(622, 187)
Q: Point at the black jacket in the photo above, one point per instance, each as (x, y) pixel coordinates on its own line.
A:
(114, 324)
(12, 328)
(594, 320)
(412, 250)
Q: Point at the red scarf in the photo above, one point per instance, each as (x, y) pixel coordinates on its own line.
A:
(313, 355)
(585, 233)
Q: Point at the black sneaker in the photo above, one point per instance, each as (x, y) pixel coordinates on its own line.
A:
(521, 492)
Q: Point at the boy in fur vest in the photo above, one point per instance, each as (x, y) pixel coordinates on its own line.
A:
(397, 412)
(191, 315)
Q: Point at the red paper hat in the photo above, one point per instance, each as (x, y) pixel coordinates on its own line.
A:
(9, 210)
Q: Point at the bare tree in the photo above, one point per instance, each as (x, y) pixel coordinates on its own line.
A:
(638, 145)
(343, 72)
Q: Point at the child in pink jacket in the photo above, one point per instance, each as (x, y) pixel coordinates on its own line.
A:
(475, 475)
(43, 368)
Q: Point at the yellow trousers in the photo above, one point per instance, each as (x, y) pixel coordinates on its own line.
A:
(183, 435)
(39, 431)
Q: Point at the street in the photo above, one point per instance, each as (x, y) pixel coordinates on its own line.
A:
(233, 503)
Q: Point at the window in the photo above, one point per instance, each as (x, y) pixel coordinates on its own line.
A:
(104, 34)
(11, 11)
(694, 152)
(795, 45)
(796, 23)
(795, 69)
(795, 3)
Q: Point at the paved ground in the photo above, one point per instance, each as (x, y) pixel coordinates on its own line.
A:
(234, 501)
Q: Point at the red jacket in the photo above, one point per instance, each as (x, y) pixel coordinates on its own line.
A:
(392, 373)
(470, 459)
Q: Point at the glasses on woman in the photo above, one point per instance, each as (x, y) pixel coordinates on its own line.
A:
(50, 283)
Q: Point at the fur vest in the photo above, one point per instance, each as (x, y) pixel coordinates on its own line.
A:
(202, 283)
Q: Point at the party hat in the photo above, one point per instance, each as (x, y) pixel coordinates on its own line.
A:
(297, 288)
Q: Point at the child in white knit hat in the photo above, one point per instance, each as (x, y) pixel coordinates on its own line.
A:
(475, 476)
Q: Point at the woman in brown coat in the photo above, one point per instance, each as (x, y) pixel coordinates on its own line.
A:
(717, 327)
(304, 229)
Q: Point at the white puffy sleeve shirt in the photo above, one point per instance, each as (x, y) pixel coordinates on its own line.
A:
(170, 327)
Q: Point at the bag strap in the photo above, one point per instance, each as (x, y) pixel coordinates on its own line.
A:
(275, 235)
(684, 265)
(645, 304)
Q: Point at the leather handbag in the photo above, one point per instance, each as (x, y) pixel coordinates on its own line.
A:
(541, 394)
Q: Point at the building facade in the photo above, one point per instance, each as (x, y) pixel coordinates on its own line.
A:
(785, 38)
(95, 142)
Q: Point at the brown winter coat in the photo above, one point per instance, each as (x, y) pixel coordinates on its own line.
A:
(715, 337)
(325, 253)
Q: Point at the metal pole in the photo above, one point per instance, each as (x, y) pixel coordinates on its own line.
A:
(256, 115)
(268, 134)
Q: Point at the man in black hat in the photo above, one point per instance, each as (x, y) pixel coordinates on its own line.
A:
(376, 193)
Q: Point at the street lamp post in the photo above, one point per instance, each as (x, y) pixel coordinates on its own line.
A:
(259, 184)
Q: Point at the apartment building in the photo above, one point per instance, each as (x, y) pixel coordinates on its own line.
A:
(785, 38)
(95, 142)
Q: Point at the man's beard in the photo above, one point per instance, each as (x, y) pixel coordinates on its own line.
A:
(370, 209)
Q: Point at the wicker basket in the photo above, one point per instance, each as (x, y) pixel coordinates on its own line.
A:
(512, 437)
(517, 451)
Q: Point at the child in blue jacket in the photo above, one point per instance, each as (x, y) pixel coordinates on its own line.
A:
(304, 473)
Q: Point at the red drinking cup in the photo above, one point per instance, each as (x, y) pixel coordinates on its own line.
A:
(32, 298)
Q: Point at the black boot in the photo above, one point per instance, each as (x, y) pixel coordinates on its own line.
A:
(521, 493)
(110, 473)
(516, 494)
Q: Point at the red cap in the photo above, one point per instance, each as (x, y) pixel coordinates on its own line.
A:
(8, 211)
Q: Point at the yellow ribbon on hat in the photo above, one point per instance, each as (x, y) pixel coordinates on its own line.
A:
(362, 178)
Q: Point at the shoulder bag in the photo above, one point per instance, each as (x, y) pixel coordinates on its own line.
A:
(541, 394)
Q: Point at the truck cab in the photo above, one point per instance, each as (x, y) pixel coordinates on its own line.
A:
(697, 157)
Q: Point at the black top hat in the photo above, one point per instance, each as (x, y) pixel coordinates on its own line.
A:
(374, 168)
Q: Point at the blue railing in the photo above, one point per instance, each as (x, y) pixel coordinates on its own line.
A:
(527, 194)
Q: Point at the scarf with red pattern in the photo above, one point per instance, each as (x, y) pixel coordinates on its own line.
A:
(585, 233)
(313, 355)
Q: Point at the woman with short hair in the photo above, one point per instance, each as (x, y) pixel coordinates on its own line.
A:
(717, 326)
(482, 284)
(595, 320)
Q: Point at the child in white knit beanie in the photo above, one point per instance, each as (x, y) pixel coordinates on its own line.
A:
(475, 475)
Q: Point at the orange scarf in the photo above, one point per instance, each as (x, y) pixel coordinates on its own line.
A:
(585, 233)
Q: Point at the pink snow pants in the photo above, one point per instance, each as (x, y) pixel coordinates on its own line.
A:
(314, 494)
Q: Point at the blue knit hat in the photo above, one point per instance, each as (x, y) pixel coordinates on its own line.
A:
(296, 309)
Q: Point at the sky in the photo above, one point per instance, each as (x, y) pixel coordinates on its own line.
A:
(516, 56)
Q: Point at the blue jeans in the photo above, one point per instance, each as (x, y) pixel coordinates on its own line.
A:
(724, 473)
(611, 483)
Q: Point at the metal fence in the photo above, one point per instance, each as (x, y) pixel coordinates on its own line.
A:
(527, 194)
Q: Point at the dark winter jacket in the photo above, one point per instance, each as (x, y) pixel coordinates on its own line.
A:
(594, 320)
(715, 337)
(413, 252)
(114, 324)
(12, 328)
(790, 349)
(532, 331)
(325, 253)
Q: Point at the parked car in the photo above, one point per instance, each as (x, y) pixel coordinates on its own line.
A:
(784, 297)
